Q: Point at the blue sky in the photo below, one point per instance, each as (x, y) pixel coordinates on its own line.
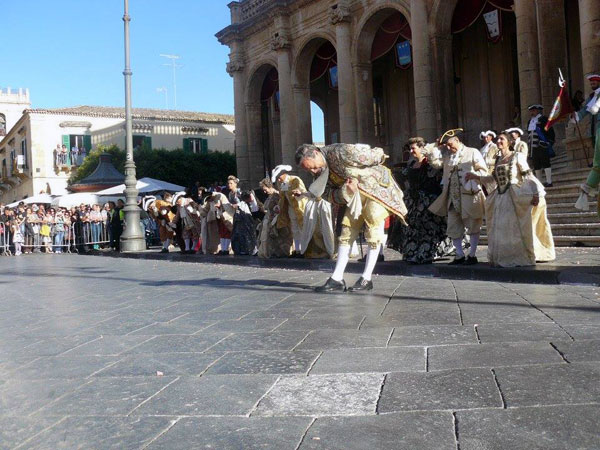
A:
(70, 52)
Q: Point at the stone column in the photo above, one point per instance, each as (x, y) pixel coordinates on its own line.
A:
(363, 74)
(287, 107)
(589, 19)
(303, 116)
(528, 57)
(422, 71)
(340, 18)
(256, 157)
(552, 41)
(445, 87)
(235, 68)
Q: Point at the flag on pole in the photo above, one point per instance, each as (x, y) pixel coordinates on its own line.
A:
(562, 106)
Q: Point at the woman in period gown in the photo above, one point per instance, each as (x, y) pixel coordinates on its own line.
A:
(274, 241)
(518, 230)
(420, 242)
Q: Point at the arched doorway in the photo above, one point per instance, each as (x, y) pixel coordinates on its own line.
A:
(316, 81)
(485, 65)
(262, 115)
(317, 123)
(385, 98)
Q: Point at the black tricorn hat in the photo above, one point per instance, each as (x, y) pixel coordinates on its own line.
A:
(456, 132)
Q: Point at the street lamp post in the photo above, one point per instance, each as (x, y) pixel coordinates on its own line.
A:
(132, 239)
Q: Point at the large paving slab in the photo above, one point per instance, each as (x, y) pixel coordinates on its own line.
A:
(403, 431)
(323, 395)
(443, 390)
(542, 428)
(234, 433)
(125, 353)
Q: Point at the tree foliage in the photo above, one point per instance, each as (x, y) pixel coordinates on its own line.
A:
(173, 166)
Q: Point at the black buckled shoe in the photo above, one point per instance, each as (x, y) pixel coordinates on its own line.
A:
(457, 261)
(331, 285)
(471, 261)
(362, 285)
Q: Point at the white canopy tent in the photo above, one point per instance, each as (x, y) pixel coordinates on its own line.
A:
(40, 198)
(88, 198)
(144, 186)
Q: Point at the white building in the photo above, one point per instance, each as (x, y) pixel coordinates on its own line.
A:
(28, 149)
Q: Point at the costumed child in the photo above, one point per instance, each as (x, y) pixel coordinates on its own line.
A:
(188, 214)
(160, 211)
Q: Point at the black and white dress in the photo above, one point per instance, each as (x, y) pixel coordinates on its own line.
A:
(425, 238)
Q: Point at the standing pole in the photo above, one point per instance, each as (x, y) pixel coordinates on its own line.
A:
(132, 239)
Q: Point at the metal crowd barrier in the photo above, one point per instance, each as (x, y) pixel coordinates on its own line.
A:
(5, 238)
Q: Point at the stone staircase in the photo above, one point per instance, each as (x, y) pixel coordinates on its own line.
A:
(570, 226)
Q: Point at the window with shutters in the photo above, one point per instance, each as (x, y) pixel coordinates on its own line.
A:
(139, 141)
(2, 125)
(198, 145)
(24, 153)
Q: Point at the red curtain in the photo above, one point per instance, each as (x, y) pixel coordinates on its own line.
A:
(325, 58)
(468, 11)
(270, 85)
(391, 30)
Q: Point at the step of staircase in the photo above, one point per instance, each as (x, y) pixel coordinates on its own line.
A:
(562, 198)
(566, 241)
(569, 171)
(563, 189)
(559, 208)
(568, 179)
(574, 217)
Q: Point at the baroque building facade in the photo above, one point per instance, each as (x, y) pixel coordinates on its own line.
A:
(30, 162)
(384, 70)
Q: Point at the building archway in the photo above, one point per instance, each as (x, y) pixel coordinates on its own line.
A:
(263, 122)
(315, 80)
(385, 93)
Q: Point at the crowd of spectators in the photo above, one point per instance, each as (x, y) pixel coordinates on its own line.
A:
(39, 228)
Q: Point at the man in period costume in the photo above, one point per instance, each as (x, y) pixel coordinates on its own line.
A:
(160, 212)
(489, 151)
(291, 207)
(520, 145)
(591, 108)
(354, 177)
(540, 142)
(462, 201)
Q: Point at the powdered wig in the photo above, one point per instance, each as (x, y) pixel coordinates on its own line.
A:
(417, 140)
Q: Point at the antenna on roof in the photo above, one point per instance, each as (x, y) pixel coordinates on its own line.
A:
(173, 63)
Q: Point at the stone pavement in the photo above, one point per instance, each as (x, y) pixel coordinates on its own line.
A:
(573, 265)
(101, 353)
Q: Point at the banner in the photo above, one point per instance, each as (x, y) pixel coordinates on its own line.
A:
(333, 77)
(403, 55)
(562, 107)
(493, 22)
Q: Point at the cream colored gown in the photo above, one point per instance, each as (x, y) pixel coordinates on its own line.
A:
(519, 234)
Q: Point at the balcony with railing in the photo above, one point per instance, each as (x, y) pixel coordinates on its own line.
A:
(251, 8)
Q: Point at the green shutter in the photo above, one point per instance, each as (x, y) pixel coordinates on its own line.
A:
(66, 140)
(187, 147)
(148, 142)
(203, 146)
(87, 142)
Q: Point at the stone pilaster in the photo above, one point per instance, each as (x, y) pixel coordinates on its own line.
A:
(528, 57)
(422, 72)
(255, 152)
(445, 86)
(552, 42)
(589, 19)
(363, 74)
(340, 18)
(235, 68)
(281, 44)
(303, 115)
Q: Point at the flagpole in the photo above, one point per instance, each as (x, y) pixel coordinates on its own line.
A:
(585, 150)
